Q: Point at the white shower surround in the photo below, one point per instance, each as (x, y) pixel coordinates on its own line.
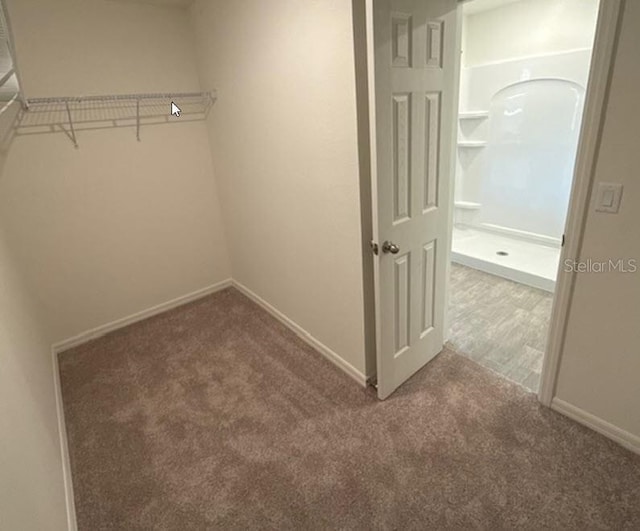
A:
(478, 85)
(479, 204)
(530, 156)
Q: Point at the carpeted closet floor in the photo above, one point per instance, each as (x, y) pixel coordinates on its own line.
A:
(215, 416)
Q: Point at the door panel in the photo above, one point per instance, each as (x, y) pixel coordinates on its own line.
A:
(432, 143)
(402, 291)
(401, 157)
(429, 284)
(414, 56)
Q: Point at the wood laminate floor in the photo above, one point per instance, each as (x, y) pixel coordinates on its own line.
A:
(498, 323)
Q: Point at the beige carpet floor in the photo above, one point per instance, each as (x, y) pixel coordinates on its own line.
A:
(215, 416)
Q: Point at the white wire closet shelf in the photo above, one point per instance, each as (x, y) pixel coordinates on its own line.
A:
(69, 115)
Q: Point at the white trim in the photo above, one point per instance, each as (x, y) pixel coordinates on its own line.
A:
(373, 132)
(64, 447)
(549, 241)
(332, 356)
(604, 49)
(622, 437)
(454, 206)
(99, 331)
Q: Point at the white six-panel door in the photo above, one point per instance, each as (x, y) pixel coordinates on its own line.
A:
(415, 43)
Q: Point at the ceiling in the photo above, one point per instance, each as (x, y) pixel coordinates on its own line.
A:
(169, 3)
(472, 7)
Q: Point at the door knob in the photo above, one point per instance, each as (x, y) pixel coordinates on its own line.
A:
(390, 247)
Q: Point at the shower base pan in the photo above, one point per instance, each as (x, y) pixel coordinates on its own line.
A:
(522, 261)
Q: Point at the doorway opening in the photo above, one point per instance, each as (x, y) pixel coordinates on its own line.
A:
(523, 76)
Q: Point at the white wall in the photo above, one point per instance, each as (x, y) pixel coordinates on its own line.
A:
(115, 226)
(513, 30)
(82, 47)
(600, 367)
(31, 479)
(284, 144)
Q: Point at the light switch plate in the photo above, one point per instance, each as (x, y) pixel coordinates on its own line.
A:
(608, 197)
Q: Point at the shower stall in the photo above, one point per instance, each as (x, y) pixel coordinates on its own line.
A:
(517, 141)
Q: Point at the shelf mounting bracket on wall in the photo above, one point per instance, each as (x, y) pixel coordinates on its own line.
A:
(138, 120)
(71, 134)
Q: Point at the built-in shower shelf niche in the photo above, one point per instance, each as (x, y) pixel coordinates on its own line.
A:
(464, 212)
(471, 143)
(467, 205)
(69, 115)
(473, 115)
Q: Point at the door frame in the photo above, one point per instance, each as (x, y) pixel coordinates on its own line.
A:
(593, 118)
(601, 68)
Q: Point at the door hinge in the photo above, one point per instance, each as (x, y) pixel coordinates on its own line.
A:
(563, 239)
(374, 247)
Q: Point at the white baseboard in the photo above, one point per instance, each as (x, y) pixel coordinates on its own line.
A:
(99, 331)
(304, 335)
(64, 447)
(622, 437)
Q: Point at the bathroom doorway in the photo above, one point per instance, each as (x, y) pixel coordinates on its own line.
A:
(523, 77)
(437, 161)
